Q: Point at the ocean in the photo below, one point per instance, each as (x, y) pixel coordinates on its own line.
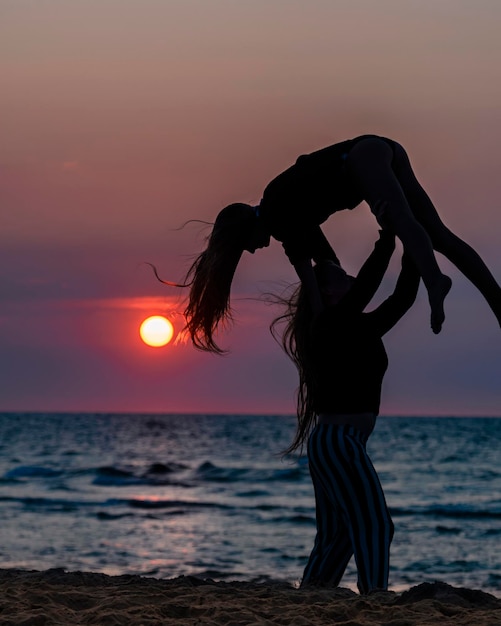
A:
(211, 496)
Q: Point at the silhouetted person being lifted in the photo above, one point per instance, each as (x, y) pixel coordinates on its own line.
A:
(341, 360)
(368, 168)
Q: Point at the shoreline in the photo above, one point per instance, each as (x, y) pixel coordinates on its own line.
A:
(60, 597)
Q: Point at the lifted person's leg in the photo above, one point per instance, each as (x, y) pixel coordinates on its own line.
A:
(457, 251)
(370, 164)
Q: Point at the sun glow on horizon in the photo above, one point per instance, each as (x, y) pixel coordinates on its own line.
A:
(156, 331)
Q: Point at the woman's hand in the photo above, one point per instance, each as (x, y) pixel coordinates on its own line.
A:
(386, 239)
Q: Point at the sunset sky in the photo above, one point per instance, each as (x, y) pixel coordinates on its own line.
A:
(122, 119)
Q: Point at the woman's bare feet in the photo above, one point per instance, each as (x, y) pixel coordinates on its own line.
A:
(436, 296)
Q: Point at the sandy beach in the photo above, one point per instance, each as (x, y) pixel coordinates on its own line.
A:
(56, 597)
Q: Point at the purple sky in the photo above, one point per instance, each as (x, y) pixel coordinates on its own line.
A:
(122, 119)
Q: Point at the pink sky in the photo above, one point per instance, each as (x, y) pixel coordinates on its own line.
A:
(122, 119)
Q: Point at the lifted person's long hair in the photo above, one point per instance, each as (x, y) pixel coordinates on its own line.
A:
(211, 275)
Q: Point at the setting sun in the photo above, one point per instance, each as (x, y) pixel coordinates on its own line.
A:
(156, 331)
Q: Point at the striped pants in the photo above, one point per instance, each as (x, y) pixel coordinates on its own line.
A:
(351, 511)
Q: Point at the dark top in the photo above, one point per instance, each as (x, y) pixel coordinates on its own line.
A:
(297, 201)
(348, 355)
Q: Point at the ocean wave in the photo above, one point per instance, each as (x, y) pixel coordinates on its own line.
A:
(31, 471)
(110, 476)
(49, 504)
(211, 472)
(453, 511)
(145, 503)
(61, 505)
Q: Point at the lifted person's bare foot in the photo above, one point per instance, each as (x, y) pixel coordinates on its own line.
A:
(436, 296)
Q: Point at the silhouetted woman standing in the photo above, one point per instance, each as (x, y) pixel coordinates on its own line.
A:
(294, 204)
(341, 360)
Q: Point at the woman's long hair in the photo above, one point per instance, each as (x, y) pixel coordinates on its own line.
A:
(295, 340)
(211, 275)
